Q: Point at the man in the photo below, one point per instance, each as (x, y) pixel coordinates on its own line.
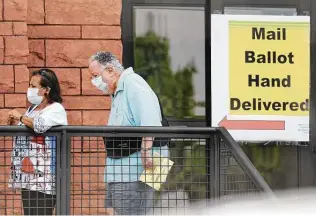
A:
(133, 104)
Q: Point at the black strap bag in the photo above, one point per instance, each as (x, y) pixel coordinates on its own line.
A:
(119, 147)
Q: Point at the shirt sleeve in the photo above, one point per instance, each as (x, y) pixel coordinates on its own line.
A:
(145, 109)
(54, 116)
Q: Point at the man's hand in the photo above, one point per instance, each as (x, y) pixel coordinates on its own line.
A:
(147, 159)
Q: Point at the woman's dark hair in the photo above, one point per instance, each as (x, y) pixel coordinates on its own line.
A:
(50, 80)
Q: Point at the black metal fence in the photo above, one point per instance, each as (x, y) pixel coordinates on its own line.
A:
(207, 164)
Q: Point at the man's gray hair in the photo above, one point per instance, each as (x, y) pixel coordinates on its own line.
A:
(106, 59)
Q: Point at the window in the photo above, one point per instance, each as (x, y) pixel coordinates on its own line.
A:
(171, 57)
(167, 43)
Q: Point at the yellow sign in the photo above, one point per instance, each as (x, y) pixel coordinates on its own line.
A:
(269, 68)
(157, 176)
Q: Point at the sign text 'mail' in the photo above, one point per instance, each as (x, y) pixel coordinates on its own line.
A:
(263, 34)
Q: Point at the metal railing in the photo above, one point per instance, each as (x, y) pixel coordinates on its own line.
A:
(208, 164)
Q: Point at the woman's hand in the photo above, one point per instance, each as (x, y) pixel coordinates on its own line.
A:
(10, 121)
(13, 117)
(15, 114)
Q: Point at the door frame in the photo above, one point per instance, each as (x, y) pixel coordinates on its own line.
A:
(312, 96)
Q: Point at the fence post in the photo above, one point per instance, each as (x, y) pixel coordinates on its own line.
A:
(65, 174)
(58, 174)
(213, 156)
(208, 168)
(312, 92)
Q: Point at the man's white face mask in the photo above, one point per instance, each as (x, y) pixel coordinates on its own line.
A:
(99, 84)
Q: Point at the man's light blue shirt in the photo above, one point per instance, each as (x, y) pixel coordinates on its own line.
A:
(133, 104)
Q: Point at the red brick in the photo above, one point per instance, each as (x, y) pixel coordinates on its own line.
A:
(88, 159)
(5, 28)
(106, 12)
(86, 174)
(22, 78)
(86, 102)
(6, 145)
(1, 43)
(95, 117)
(87, 144)
(3, 116)
(54, 31)
(1, 56)
(90, 188)
(15, 10)
(37, 53)
(15, 100)
(19, 28)
(87, 87)
(3, 210)
(5, 165)
(88, 205)
(1, 100)
(74, 117)
(14, 204)
(16, 50)
(6, 79)
(89, 178)
(1, 10)
(68, 53)
(101, 32)
(69, 79)
(35, 12)
(1, 50)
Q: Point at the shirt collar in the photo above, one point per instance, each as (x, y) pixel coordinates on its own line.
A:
(120, 83)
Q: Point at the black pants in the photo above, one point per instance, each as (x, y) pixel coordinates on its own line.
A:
(37, 203)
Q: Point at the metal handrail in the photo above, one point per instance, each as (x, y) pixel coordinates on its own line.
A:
(245, 163)
(65, 133)
(115, 129)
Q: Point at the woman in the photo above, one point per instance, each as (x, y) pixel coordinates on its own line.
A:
(33, 158)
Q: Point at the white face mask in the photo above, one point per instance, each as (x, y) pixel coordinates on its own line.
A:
(99, 84)
(32, 96)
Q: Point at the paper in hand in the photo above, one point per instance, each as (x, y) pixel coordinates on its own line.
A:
(157, 176)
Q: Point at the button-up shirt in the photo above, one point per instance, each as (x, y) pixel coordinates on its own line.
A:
(133, 104)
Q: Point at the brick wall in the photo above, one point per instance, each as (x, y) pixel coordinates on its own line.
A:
(61, 35)
(14, 53)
